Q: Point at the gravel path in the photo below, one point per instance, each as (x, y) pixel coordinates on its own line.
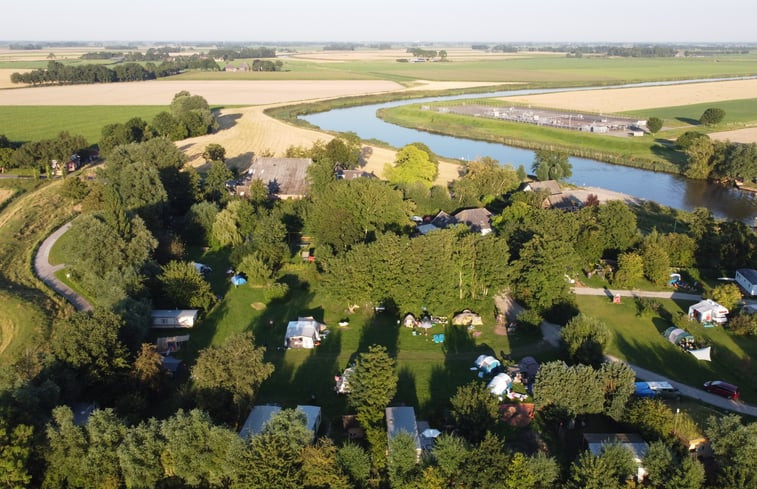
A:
(46, 272)
(636, 293)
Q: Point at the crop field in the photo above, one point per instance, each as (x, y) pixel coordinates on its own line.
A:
(32, 123)
(746, 136)
(737, 112)
(639, 340)
(642, 98)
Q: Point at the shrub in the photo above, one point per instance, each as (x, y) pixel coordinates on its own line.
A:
(743, 324)
(712, 116)
(686, 139)
(276, 291)
(647, 307)
(654, 124)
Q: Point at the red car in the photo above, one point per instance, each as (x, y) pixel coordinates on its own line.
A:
(722, 389)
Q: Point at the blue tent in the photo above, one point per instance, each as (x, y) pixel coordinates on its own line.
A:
(238, 280)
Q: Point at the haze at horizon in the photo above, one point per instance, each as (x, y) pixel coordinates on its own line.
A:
(385, 21)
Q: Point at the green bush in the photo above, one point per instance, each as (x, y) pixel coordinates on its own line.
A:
(276, 291)
(712, 116)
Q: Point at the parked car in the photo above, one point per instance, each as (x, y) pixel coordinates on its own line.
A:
(657, 389)
(722, 389)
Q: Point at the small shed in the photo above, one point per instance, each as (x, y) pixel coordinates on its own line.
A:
(399, 419)
(708, 311)
(467, 318)
(303, 333)
(174, 318)
(257, 419)
(747, 279)
(312, 417)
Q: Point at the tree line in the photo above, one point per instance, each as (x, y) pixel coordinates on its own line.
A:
(60, 74)
(230, 54)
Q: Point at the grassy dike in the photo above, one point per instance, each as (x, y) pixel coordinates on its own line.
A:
(642, 152)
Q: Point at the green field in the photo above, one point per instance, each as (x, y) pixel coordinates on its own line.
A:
(639, 341)
(644, 152)
(737, 112)
(429, 373)
(32, 123)
(540, 68)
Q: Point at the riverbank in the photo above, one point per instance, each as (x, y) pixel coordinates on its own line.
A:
(644, 152)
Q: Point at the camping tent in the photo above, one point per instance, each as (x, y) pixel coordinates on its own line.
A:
(409, 321)
(702, 354)
(467, 318)
(500, 384)
(676, 335)
(238, 280)
(487, 363)
(303, 333)
(530, 366)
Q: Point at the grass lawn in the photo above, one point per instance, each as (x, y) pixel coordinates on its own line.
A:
(738, 112)
(22, 322)
(429, 373)
(639, 341)
(32, 123)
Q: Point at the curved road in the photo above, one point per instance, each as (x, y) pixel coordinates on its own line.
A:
(46, 272)
(551, 334)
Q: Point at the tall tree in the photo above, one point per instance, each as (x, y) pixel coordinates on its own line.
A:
(570, 390)
(373, 384)
(551, 165)
(412, 165)
(232, 372)
(15, 451)
(585, 338)
(184, 287)
(475, 410)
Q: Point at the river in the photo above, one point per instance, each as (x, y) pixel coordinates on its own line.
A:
(670, 190)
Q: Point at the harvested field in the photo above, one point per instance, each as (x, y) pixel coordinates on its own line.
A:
(215, 92)
(627, 99)
(5, 78)
(747, 135)
(453, 54)
(248, 131)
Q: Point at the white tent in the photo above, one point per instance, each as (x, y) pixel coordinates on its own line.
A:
(303, 333)
(500, 384)
(486, 363)
(702, 353)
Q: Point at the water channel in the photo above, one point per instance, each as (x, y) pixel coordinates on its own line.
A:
(670, 190)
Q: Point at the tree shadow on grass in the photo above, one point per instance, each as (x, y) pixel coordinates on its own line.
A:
(381, 329)
(688, 120)
(406, 388)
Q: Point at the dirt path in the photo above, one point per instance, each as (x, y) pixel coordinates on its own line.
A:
(46, 272)
(636, 293)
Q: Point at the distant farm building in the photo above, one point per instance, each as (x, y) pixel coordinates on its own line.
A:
(353, 174)
(285, 178)
(554, 196)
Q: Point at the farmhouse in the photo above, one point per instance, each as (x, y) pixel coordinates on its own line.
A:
(285, 178)
(633, 442)
(399, 419)
(555, 198)
(303, 333)
(174, 318)
(479, 220)
(747, 279)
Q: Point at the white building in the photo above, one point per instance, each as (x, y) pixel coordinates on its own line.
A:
(174, 318)
(747, 279)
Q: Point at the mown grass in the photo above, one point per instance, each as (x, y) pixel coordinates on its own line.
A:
(641, 152)
(639, 341)
(32, 123)
(429, 373)
(535, 68)
(739, 112)
(23, 225)
(22, 322)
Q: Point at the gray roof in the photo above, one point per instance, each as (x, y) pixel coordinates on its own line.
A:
(258, 417)
(749, 274)
(550, 186)
(286, 177)
(632, 441)
(476, 219)
(402, 418)
(442, 220)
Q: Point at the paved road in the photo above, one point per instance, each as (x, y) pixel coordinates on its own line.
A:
(637, 293)
(551, 333)
(46, 272)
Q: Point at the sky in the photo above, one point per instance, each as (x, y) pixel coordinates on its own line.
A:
(381, 20)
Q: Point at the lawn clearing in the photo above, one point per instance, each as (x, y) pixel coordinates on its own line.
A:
(736, 112)
(639, 340)
(429, 373)
(32, 123)
(639, 98)
(21, 324)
